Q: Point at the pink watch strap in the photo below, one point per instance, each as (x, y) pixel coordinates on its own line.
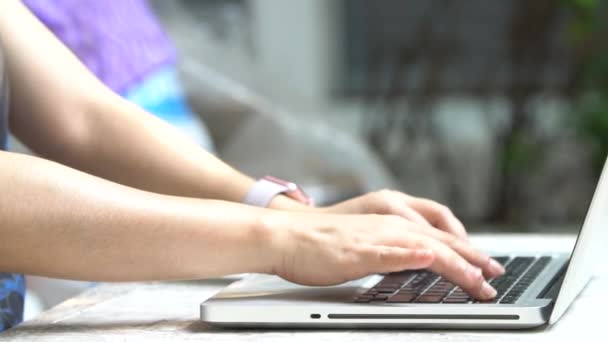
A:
(265, 189)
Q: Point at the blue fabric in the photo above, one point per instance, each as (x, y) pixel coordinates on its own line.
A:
(12, 292)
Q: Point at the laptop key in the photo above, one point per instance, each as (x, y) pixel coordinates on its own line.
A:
(401, 298)
(514, 270)
(502, 259)
(526, 280)
(459, 293)
(440, 288)
(429, 299)
(380, 297)
(459, 297)
(508, 300)
(427, 287)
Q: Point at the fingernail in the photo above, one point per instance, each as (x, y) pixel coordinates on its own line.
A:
(487, 291)
(496, 267)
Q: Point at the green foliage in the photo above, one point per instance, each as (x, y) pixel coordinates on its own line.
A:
(593, 124)
(584, 11)
(521, 153)
(589, 29)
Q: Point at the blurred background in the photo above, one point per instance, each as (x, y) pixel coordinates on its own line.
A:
(498, 109)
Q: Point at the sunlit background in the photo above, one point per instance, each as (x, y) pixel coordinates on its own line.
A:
(497, 108)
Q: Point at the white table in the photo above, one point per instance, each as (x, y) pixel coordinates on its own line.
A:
(162, 311)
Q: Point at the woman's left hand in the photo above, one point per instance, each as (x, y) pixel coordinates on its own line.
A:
(415, 209)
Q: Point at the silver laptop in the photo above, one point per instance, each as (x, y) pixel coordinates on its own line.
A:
(536, 289)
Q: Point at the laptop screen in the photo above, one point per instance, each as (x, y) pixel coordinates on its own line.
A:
(591, 239)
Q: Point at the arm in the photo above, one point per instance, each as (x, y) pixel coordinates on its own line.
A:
(63, 223)
(60, 222)
(72, 110)
(75, 115)
(51, 214)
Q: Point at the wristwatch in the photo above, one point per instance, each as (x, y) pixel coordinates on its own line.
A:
(267, 187)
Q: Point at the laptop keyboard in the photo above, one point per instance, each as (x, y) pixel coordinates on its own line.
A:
(428, 287)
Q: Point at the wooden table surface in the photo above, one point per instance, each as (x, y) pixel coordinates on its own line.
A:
(168, 311)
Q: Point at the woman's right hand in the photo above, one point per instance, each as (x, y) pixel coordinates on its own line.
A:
(329, 249)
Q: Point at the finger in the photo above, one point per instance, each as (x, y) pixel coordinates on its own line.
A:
(412, 215)
(456, 269)
(390, 202)
(438, 216)
(386, 259)
(490, 267)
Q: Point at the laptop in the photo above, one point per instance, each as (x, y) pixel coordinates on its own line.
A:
(535, 290)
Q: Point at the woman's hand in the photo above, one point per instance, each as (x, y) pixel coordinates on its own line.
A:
(421, 211)
(324, 249)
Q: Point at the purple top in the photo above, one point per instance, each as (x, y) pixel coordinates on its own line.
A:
(120, 41)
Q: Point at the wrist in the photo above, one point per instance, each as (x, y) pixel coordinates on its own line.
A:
(275, 227)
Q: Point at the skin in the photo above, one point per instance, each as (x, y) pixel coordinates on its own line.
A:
(118, 195)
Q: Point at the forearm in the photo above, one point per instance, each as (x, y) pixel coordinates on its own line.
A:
(63, 223)
(63, 113)
(141, 151)
(146, 153)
